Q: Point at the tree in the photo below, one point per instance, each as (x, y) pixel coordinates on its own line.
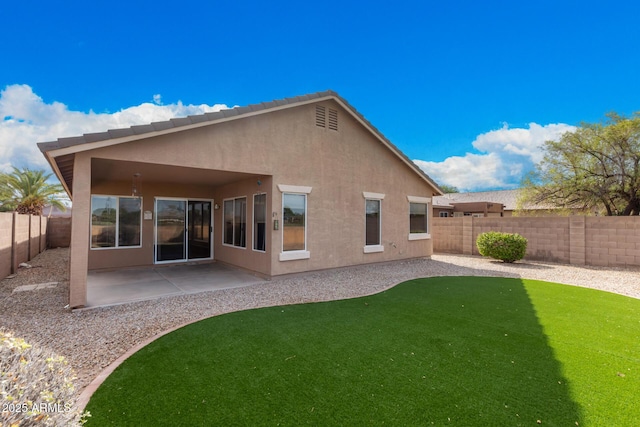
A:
(27, 191)
(597, 166)
(448, 188)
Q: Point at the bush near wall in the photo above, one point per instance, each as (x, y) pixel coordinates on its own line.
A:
(507, 247)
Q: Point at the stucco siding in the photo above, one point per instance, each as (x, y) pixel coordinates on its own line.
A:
(249, 155)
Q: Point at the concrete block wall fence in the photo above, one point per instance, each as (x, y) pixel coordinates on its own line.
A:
(59, 232)
(23, 237)
(577, 240)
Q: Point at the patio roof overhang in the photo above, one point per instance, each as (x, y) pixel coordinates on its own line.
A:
(108, 170)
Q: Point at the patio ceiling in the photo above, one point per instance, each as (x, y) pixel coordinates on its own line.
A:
(105, 170)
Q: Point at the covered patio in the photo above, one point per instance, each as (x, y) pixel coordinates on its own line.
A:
(127, 285)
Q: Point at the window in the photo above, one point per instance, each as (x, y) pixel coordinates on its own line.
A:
(444, 214)
(373, 222)
(115, 221)
(294, 209)
(259, 222)
(235, 222)
(294, 222)
(419, 217)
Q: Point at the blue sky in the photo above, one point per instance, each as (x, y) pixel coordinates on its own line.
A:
(467, 89)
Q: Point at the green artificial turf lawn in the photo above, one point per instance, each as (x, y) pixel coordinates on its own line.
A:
(448, 350)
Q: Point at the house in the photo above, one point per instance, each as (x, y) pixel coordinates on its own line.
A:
(287, 186)
(443, 208)
(495, 203)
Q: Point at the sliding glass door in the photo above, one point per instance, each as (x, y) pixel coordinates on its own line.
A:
(183, 230)
(199, 232)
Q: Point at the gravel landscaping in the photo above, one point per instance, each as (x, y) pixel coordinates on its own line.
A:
(92, 339)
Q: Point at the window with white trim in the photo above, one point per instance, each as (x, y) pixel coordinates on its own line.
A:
(419, 208)
(373, 225)
(373, 222)
(235, 222)
(116, 221)
(444, 214)
(294, 225)
(294, 222)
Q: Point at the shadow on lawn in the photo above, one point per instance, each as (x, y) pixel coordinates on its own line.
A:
(489, 330)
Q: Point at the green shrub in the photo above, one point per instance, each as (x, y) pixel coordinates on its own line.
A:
(36, 387)
(507, 247)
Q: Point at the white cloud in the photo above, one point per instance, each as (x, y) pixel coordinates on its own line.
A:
(466, 172)
(506, 154)
(26, 119)
(521, 142)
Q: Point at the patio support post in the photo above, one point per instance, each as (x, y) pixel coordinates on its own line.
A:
(80, 225)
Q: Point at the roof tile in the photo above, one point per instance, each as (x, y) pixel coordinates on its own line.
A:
(198, 118)
(180, 121)
(93, 137)
(119, 133)
(229, 113)
(214, 115)
(139, 129)
(68, 142)
(160, 126)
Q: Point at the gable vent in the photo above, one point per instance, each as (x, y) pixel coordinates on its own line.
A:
(321, 116)
(333, 119)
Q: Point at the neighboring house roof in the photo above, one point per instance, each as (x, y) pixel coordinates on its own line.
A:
(60, 153)
(508, 198)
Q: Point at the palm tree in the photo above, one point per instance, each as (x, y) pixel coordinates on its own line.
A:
(27, 191)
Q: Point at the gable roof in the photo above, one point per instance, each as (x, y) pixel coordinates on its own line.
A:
(61, 153)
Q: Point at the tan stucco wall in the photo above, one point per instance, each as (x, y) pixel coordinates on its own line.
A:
(339, 166)
(280, 147)
(247, 258)
(144, 255)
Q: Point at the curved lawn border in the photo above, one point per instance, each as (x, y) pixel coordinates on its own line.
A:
(486, 348)
(88, 391)
(445, 299)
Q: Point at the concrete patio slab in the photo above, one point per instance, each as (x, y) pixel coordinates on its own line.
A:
(137, 284)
